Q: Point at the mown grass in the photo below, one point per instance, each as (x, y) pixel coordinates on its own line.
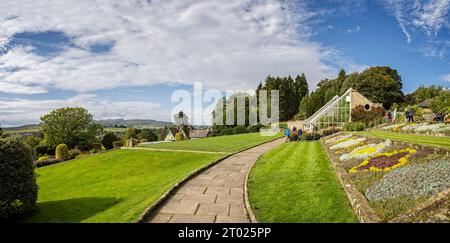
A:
(118, 186)
(443, 142)
(111, 187)
(230, 144)
(296, 183)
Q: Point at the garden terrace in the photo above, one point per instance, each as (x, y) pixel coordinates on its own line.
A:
(118, 186)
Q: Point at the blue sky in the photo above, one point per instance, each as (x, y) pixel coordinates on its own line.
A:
(124, 59)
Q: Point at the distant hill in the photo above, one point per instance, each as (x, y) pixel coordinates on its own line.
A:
(132, 122)
(106, 123)
(24, 127)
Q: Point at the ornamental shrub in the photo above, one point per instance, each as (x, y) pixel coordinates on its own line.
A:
(40, 150)
(227, 131)
(311, 136)
(240, 130)
(108, 140)
(74, 153)
(97, 146)
(144, 140)
(117, 144)
(62, 152)
(254, 128)
(179, 136)
(330, 131)
(18, 189)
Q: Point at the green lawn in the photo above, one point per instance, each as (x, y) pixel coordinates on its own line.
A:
(112, 187)
(230, 144)
(118, 186)
(296, 183)
(412, 138)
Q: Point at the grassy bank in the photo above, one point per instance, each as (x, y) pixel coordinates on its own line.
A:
(443, 142)
(296, 183)
(231, 143)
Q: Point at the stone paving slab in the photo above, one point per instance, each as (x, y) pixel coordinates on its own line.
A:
(215, 195)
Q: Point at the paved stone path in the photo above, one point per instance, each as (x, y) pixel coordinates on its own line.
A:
(216, 195)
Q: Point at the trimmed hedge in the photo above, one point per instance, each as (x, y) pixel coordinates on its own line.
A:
(62, 152)
(18, 188)
(311, 136)
(240, 130)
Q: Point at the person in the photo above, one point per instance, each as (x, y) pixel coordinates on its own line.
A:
(287, 133)
(300, 135)
(389, 116)
(394, 116)
(411, 115)
(295, 133)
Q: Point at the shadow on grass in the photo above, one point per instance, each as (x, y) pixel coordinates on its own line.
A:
(70, 210)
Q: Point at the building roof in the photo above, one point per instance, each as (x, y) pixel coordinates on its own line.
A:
(425, 103)
(199, 133)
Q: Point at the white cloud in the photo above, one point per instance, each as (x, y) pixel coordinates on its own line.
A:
(24, 111)
(446, 77)
(226, 44)
(429, 16)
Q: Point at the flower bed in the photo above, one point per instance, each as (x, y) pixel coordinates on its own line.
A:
(413, 181)
(348, 143)
(385, 161)
(338, 138)
(366, 151)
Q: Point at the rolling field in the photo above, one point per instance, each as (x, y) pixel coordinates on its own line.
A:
(295, 183)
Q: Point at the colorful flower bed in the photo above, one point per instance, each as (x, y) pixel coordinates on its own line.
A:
(417, 128)
(366, 151)
(415, 180)
(338, 138)
(385, 161)
(348, 143)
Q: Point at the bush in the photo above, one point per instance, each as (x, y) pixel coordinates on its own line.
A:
(74, 153)
(41, 150)
(42, 163)
(42, 158)
(227, 131)
(97, 146)
(240, 130)
(117, 144)
(18, 188)
(144, 140)
(147, 134)
(354, 126)
(254, 128)
(330, 131)
(32, 141)
(62, 152)
(311, 136)
(109, 139)
(179, 136)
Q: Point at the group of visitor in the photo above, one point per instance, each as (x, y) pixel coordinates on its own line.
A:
(293, 135)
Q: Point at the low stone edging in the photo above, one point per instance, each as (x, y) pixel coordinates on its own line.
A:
(358, 201)
(430, 203)
(150, 211)
(250, 212)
